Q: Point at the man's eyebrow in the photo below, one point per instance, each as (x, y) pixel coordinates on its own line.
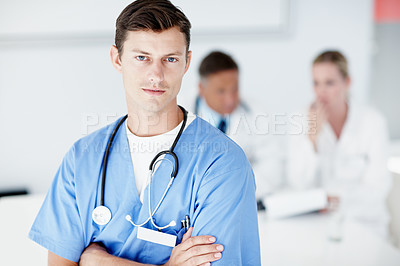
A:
(175, 53)
(140, 51)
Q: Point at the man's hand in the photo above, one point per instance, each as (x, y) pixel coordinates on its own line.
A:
(197, 250)
(333, 204)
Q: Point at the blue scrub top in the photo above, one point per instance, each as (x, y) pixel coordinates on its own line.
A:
(215, 186)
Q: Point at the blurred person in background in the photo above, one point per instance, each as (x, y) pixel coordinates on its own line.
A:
(219, 103)
(345, 148)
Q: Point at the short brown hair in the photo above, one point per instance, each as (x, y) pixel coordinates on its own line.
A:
(336, 58)
(215, 62)
(155, 15)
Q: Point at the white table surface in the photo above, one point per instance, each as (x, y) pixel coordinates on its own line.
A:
(304, 240)
(295, 241)
(17, 214)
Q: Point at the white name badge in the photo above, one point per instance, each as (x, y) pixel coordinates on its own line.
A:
(156, 237)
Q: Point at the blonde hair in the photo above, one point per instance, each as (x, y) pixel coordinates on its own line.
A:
(336, 58)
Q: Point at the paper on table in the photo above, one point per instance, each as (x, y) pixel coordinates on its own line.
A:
(290, 203)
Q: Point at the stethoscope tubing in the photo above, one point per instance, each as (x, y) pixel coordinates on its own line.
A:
(105, 159)
(151, 168)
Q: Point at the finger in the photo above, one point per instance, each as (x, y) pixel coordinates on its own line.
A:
(317, 105)
(334, 199)
(197, 240)
(204, 259)
(200, 250)
(187, 235)
(313, 106)
(322, 110)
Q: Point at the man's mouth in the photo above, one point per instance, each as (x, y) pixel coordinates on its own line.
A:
(154, 91)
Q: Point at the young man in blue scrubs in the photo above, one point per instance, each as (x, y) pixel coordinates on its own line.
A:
(214, 186)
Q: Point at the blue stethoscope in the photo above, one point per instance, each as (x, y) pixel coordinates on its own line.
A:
(101, 215)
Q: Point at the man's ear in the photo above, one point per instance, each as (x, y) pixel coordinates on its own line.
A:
(188, 60)
(115, 60)
(348, 83)
(201, 88)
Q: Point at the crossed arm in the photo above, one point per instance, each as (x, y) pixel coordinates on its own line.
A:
(197, 250)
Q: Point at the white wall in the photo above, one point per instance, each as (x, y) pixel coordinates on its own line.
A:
(385, 85)
(54, 84)
(276, 67)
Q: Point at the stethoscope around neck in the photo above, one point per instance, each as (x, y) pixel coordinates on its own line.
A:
(101, 215)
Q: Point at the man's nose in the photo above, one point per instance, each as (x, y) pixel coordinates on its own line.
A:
(156, 73)
(230, 99)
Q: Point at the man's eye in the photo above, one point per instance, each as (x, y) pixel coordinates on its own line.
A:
(141, 58)
(171, 59)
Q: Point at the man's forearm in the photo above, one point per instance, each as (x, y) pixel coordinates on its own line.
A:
(96, 255)
(110, 260)
(197, 250)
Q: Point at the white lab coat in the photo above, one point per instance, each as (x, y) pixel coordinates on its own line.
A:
(263, 149)
(353, 167)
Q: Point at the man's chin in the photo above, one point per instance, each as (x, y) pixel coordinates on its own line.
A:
(154, 106)
(228, 111)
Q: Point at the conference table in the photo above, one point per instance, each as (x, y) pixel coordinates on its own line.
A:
(296, 241)
(306, 240)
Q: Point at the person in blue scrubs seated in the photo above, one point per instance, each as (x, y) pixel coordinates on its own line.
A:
(159, 186)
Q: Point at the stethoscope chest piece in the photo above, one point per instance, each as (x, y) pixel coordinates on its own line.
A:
(101, 215)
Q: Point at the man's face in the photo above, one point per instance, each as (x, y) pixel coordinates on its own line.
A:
(221, 91)
(152, 66)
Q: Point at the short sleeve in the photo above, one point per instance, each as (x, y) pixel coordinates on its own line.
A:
(226, 209)
(58, 225)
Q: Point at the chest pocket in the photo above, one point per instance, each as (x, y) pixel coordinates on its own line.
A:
(154, 253)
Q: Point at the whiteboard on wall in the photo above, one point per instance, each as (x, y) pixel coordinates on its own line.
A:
(25, 19)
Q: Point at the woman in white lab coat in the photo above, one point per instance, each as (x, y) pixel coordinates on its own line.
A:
(344, 149)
